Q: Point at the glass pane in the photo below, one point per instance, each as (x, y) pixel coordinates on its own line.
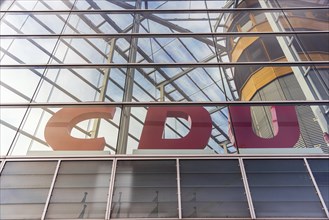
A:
(145, 189)
(36, 24)
(278, 129)
(76, 51)
(212, 189)
(81, 190)
(26, 211)
(282, 188)
(24, 186)
(33, 168)
(320, 170)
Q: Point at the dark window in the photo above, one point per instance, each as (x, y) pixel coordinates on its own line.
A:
(273, 47)
(282, 188)
(212, 189)
(145, 189)
(306, 43)
(254, 53)
(320, 170)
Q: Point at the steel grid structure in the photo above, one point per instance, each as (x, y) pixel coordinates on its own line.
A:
(127, 57)
(133, 55)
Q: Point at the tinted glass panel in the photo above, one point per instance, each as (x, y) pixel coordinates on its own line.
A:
(24, 187)
(320, 170)
(212, 188)
(282, 188)
(81, 190)
(145, 189)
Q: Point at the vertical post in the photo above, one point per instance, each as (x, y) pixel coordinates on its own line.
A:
(162, 97)
(236, 3)
(95, 129)
(224, 146)
(292, 55)
(111, 188)
(247, 189)
(179, 196)
(228, 79)
(316, 187)
(129, 83)
(51, 189)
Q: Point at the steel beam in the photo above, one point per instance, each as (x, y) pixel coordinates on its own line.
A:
(170, 103)
(129, 85)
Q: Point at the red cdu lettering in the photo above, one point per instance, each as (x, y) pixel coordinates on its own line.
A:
(285, 128)
(59, 127)
(197, 138)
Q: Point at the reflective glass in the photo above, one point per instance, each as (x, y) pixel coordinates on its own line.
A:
(23, 5)
(61, 59)
(320, 170)
(24, 23)
(78, 51)
(219, 129)
(24, 186)
(282, 188)
(212, 189)
(18, 51)
(145, 189)
(258, 126)
(104, 4)
(81, 190)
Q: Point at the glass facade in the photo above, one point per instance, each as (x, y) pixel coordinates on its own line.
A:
(212, 188)
(80, 187)
(118, 109)
(24, 189)
(282, 188)
(145, 189)
(56, 54)
(166, 188)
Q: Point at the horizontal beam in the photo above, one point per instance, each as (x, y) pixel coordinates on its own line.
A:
(160, 65)
(153, 104)
(163, 35)
(161, 156)
(162, 11)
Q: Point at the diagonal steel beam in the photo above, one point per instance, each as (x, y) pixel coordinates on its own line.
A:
(169, 24)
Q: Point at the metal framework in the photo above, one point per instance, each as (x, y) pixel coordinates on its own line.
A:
(178, 159)
(133, 58)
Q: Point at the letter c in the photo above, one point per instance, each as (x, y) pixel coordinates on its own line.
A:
(59, 127)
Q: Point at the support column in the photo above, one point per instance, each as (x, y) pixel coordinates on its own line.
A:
(128, 89)
(107, 71)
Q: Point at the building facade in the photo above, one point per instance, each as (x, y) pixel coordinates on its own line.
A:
(282, 83)
(147, 109)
